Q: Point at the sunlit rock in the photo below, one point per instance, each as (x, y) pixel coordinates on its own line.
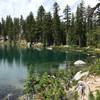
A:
(49, 48)
(28, 44)
(79, 75)
(83, 90)
(79, 63)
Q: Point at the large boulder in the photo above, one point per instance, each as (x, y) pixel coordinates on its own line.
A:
(79, 63)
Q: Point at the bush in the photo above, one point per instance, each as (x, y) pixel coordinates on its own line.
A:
(48, 86)
(96, 67)
(98, 95)
(91, 96)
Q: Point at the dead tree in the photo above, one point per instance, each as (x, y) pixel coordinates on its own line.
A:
(93, 9)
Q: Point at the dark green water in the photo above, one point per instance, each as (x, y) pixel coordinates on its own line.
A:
(14, 64)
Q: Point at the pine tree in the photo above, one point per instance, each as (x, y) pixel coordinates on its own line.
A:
(72, 30)
(22, 26)
(39, 24)
(30, 28)
(89, 20)
(4, 31)
(47, 30)
(9, 28)
(63, 34)
(16, 28)
(67, 18)
(89, 26)
(56, 25)
(81, 25)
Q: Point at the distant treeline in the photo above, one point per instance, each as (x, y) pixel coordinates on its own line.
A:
(74, 29)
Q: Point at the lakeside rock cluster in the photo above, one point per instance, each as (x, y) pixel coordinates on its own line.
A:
(86, 84)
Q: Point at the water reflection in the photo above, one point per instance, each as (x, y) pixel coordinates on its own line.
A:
(41, 60)
(16, 62)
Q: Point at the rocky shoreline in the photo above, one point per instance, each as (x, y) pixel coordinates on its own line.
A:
(87, 84)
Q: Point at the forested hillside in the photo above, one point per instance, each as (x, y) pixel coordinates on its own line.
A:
(78, 28)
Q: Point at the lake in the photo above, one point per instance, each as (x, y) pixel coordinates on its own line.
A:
(15, 63)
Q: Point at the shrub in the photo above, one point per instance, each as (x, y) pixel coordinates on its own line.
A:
(49, 86)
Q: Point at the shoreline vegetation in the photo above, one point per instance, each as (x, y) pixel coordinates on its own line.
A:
(63, 85)
(39, 46)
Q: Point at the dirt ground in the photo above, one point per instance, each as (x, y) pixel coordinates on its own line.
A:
(93, 82)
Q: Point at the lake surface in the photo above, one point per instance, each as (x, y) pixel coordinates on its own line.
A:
(15, 63)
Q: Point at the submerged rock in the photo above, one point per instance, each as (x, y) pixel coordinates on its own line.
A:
(10, 96)
(10, 92)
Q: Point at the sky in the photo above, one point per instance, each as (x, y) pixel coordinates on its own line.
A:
(15, 8)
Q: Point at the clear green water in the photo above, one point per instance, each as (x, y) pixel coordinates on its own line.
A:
(14, 64)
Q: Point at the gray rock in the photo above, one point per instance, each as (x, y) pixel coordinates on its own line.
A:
(10, 96)
(80, 74)
(79, 63)
(83, 90)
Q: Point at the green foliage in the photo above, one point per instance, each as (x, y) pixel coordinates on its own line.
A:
(75, 29)
(56, 85)
(49, 86)
(16, 28)
(76, 96)
(91, 96)
(56, 24)
(81, 25)
(95, 68)
(30, 28)
(9, 27)
(67, 18)
(98, 95)
(48, 30)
